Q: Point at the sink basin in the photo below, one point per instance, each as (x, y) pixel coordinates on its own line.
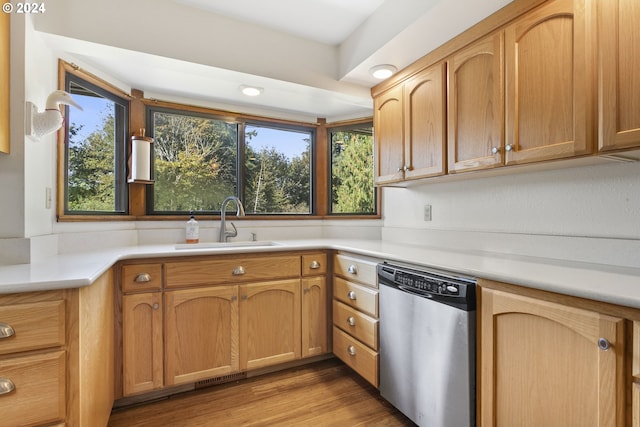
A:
(214, 245)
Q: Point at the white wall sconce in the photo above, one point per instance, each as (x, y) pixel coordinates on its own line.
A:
(38, 123)
(251, 90)
(140, 159)
(383, 71)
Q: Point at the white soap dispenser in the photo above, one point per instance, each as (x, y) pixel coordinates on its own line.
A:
(193, 230)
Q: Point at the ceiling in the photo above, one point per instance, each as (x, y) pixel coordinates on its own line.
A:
(311, 57)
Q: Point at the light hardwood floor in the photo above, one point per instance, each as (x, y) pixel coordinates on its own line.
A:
(325, 393)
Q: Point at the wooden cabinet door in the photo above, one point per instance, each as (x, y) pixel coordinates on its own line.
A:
(549, 83)
(269, 323)
(425, 123)
(142, 342)
(476, 106)
(314, 316)
(619, 85)
(388, 119)
(541, 365)
(201, 333)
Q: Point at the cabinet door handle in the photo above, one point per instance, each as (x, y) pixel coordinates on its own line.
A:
(351, 295)
(142, 277)
(604, 344)
(6, 386)
(314, 265)
(352, 350)
(155, 306)
(495, 150)
(6, 331)
(508, 147)
(351, 321)
(353, 269)
(238, 271)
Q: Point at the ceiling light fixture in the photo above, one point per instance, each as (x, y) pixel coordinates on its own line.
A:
(251, 90)
(382, 71)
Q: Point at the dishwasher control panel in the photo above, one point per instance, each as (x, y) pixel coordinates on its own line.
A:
(448, 288)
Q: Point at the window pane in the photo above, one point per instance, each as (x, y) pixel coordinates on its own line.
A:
(194, 162)
(352, 190)
(277, 170)
(95, 151)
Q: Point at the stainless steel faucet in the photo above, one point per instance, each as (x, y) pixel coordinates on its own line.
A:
(224, 234)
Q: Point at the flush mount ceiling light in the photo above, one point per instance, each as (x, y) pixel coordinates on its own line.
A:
(382, 71)
(251, 90)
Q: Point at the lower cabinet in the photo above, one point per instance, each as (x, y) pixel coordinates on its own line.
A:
(201, 333)
(269, 323)
(174, 333)
(355, 314)
(549, 360)
(142, 342)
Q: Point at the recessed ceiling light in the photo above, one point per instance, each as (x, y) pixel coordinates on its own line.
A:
(382, 71)
(251, 90)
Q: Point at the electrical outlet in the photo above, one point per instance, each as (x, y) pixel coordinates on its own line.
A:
(427, 212)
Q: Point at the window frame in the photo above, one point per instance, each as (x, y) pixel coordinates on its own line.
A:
(320, 162)
(376, 196)
(69, 73)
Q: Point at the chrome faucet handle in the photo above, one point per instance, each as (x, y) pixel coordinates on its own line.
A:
(233, 233)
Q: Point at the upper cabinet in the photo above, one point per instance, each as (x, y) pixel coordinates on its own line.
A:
(476, 106)
(411, 128)
(536, 81)
(426, 125)
(549, 83)
(389, 130)
(618, 82)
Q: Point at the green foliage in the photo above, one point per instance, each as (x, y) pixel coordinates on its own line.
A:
(352, 189)
(195, 162)
(91, 177)
(276, 184)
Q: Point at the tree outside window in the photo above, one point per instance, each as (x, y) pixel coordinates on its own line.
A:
(197, 164)
(95, 151)
(352, 189)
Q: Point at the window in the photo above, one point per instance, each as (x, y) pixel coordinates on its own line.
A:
(194, 161)
(94, 150)
(200, 159)
(352, 189)
(277, 170)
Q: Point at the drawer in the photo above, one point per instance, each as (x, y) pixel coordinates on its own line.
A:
(141, 277)
(314, 264)
(356, 324)
(231, 270)
(39, 394)
(34, 326)
(361, 297)
(356, 355)
(356, 269)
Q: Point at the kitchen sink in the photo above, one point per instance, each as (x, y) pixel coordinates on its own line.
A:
(214, 245)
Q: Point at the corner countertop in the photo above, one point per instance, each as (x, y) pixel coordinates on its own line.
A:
(617, 285)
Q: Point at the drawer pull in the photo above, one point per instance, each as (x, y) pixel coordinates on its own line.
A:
(6, 386)
(352, 269)
(604, 344)
(6, 331)
(351, 295)
(142, 278)
(351, 350)
(351, 321)
(238, 271)
(314, 265)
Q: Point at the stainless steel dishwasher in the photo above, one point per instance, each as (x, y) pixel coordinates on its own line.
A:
(427, 344)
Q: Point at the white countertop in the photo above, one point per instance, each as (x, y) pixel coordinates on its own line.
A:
(616, 285)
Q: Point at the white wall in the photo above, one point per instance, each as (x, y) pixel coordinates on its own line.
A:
(589, 213)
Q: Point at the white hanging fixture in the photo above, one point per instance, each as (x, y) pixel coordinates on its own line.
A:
(50, 120)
